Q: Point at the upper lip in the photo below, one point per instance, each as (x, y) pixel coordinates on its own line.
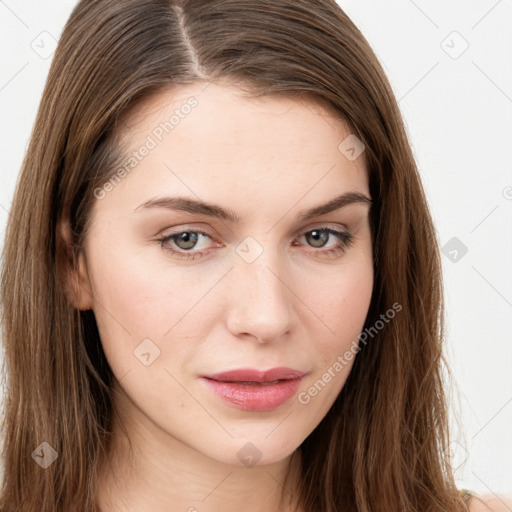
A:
(252, 375)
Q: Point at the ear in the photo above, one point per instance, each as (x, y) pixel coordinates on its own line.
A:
(73, 269)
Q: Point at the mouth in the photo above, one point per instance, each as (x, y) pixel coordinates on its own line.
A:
(257, 394)
(251, 376)
(249, 383)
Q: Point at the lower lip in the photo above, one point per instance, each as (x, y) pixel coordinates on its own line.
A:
(255, 397)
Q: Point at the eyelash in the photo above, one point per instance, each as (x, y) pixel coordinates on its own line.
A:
(345, 241)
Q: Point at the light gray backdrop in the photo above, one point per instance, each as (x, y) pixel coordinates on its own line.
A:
(450, 64)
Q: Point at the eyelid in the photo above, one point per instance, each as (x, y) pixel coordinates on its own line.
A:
(324, 225)
(180, 228)
(344, 237)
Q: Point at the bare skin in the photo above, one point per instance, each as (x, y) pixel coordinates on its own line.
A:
(295, 304)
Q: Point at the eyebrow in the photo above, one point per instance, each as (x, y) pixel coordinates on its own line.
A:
(189, 205)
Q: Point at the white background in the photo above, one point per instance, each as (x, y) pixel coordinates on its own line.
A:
(458, 111)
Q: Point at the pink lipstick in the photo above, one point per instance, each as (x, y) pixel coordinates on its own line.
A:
(255, 390)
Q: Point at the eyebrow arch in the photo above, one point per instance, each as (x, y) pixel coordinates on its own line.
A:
(187, 204)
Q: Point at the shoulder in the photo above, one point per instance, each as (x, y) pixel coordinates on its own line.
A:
(490, 503)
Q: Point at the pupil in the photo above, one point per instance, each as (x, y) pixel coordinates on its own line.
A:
(190, 240)
(319, 236)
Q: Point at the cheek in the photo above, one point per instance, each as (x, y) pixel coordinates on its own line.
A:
(140, 288)
(342, 305)
(351, 302)
(136, 300)
(342, 296)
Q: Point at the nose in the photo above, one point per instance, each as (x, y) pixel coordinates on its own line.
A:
(260, 302)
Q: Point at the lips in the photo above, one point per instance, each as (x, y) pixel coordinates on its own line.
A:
(255, 390)
(249, 375)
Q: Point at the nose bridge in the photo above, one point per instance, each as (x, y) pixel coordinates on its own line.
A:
(260, 302)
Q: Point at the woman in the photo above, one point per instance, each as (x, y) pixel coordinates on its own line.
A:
(221, 283)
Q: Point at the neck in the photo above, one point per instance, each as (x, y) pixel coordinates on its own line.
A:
(162, 474)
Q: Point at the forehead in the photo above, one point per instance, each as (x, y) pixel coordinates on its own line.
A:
(206, 138)
(231, 96)
(199, 113)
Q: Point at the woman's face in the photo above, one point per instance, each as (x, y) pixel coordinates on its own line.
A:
(181, 290)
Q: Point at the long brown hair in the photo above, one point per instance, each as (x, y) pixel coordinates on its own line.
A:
(383, 444)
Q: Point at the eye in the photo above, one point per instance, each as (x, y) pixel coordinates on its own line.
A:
(187, 240)
(319, 236)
